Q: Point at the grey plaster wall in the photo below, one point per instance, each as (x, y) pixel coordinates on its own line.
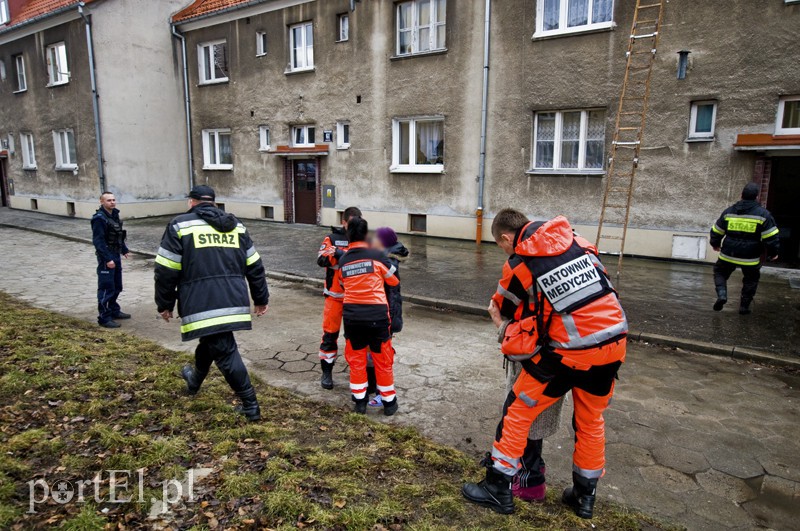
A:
(42, 109)
(743, 54)
(259, 92)
(141, 99)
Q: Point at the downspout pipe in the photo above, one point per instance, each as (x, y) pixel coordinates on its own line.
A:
(484, 112)
(187, 105)
(95, 98)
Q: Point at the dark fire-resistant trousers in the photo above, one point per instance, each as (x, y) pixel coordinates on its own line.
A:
(109, 286)
(222, 349)
(751, 275)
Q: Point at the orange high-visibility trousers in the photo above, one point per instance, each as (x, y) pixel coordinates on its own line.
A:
(378, 341)
(331, 323)
(591, 394)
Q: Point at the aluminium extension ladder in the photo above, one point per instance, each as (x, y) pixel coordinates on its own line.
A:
(629, 126)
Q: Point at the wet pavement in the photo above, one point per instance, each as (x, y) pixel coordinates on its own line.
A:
(699, 441)
(660, 297)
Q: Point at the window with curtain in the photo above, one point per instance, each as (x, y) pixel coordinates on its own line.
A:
(217, 150)
(701, 120)
(573, 141)
(421, 26)
(573, 16)
(418, 145)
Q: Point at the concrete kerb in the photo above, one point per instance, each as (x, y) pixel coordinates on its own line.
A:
(703, 347)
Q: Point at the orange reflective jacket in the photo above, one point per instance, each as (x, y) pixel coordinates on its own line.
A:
(364, 274)
(574, 307)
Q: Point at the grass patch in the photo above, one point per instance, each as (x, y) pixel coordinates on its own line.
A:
(78, 400)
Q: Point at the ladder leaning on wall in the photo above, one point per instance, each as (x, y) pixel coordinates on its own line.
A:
(629, 126)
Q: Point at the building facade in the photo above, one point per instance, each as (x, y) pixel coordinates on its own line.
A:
(52, 145)
(302, 108)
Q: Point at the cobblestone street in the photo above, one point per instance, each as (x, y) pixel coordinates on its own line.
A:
(704, 442)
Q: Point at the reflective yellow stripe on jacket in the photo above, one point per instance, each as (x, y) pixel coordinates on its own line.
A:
(221, 316)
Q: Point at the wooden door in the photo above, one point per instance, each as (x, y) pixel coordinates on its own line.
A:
(305, 191)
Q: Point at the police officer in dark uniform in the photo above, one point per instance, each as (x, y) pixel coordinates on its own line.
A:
(108, 237)
(741, 235)
(205, 263)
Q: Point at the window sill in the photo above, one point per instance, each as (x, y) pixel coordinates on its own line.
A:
(343, 148)
(29, 168)
(579, 30)
(341, 40)
(695, 139)
(70, 168)
(50, 85)
(265, 150)
(787, 132)
(20, 91)
(430, 169)
(290, 71)
(440, 51)
(568, 173)
(261, 55)
(213, 82)
(219, 167)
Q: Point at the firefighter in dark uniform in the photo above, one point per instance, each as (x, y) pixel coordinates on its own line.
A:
(332, 249)
(741, 235)
(108, 237)
(206, 263)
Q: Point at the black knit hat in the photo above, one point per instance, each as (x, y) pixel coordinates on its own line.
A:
(202, 193)
(750, 191)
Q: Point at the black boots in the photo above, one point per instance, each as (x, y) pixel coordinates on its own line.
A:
(744, 307)
(327, 375)
(493, 492)
(360, 406)
(249, 407)
(722, 298)
(581, 495)
(193, 379)
(390, 408)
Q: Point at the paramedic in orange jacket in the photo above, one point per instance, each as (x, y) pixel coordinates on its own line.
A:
(365, 273)
(332, 249)
(575, 342)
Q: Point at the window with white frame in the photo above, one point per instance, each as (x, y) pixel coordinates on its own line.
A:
(555, 17)
(64, 145)
(217, 153)
(702, 119)
(261, 43)
(421, 26)
(343, 25)
(301, 46)
(263, 138)
(213, 62)
(57, 66)
(28, 151)
(342, 135)
(788, 122)
(304, 135)
(4, 15)
(569, 141)
(418, 145)
(19, 73)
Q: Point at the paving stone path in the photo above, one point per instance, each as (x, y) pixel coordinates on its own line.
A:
(699, 441)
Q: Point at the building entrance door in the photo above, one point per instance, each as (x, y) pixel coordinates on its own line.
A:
(305, 191)
(782, 201)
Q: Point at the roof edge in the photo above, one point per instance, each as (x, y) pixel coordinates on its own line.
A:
(212, 13)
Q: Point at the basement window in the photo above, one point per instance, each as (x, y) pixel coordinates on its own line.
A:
(71, 209)
(268, 212)
(418, 222)
(34, 204)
